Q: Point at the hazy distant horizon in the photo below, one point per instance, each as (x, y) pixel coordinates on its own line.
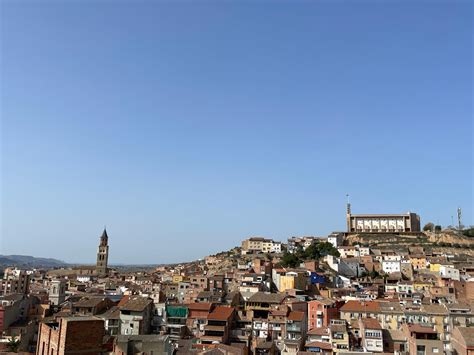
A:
(187, 127)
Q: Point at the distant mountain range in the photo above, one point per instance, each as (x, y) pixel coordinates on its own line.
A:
(31, 261)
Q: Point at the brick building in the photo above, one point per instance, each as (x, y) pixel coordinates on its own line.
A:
(71, 335)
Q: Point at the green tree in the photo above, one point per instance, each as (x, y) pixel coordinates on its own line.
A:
(319, 250)
(290, 260)
(438, 228)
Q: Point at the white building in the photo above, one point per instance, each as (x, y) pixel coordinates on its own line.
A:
(391, 266)
(336, 239)
(393, 257)
(353, 251)
(83, 278)
(57, 292)
(276, 247)
(449, 272)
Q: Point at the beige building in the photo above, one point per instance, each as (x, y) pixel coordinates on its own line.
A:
(382, 223)
(422, 340)
(258, 245)
(462, 341)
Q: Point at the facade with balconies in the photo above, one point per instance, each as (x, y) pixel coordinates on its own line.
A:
(218, 325)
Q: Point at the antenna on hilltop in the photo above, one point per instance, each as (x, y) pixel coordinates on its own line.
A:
(459, 218)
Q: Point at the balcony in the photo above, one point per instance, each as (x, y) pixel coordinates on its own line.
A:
(293, 327)
(217, 328)
(258, 326)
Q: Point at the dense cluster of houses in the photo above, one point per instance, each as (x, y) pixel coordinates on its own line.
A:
(414, 300)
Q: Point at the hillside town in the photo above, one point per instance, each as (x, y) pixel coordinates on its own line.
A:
(385, 285)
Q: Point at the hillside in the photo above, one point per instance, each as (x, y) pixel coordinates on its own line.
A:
(445, 239)
(29, 261)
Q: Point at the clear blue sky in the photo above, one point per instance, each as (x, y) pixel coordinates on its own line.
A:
(186, 127)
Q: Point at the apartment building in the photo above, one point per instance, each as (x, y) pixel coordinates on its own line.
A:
(14, 281)
(321, 311)
(136, 315)
(371, 332)
(422, 340)
(255, 245)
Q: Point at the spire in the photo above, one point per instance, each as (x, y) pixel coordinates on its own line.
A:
(104, 238)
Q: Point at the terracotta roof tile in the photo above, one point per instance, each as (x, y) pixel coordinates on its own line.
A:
(361, 306)
(371, 323)
(319, 331)
(296, 316)
(319, 344)
(221, 313)
(136, 304)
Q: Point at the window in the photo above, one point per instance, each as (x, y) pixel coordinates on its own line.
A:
(420, 350)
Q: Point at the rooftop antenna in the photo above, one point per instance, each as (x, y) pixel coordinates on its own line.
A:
(348, 205)
(459, 218)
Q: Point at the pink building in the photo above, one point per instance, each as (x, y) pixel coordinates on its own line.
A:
(321, 311)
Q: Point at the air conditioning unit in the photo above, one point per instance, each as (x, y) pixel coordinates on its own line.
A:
(290, 322)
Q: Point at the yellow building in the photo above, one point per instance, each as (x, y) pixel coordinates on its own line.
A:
(419, 286)
(418, 262)
(286, 283)
(291, 280)
(178, 278)
(435, 267)
(339, 336)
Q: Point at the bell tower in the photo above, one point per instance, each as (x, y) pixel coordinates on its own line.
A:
(103, 254)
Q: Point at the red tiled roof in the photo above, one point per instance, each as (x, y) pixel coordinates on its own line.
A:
(371, 323)
(361, 306)
(221, 313)
(319, 331)
(123, 300)
(296, 316)
(319, 344)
